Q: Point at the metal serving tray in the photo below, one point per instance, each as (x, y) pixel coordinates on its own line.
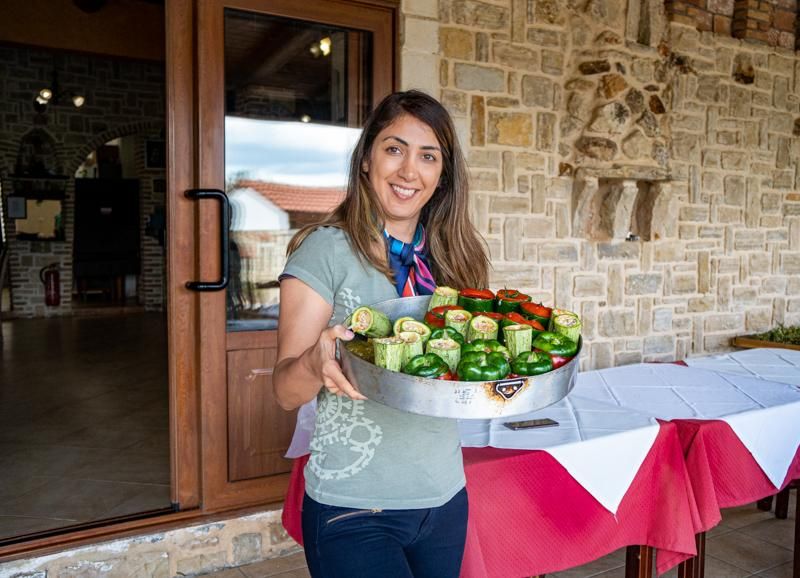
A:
(454, 399)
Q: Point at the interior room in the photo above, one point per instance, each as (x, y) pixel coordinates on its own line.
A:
(83, 378)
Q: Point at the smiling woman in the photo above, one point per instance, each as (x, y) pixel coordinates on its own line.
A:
(385, 489)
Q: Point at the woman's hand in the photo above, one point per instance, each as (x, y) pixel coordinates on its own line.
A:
(307, 348)
(330, 371)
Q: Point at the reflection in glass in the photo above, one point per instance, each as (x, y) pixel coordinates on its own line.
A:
(294, 97)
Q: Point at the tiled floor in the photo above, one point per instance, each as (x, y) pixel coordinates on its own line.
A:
(748, 543)
(83, 420)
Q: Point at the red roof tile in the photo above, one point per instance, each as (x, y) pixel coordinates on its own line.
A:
(292, 198)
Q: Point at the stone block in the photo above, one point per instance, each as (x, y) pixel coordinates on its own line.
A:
(545, 132)
(662, 319)
(656, 344)
(702, 304)
(545, 37)
(619, 250)
(667, 252)
(684, 284)
(597, 148)
(636, 145)
(479, 158)
(514, 56)
(610, 118)
(553, 62)
(456, 43)
(480, 14)
(510, 128)
(748, 240)
(726, 322)
(616, 323)
(421, 35)
(558, 253)
(421, 71)
(246, 548)
(484, 180)
(538, 228)
(455, 102)
(708, 88)
(643, 284)
(686, 147)
(726, 215)
(538, 91)
(510, 204)
(426, 8)
(611, 85)
(478, 122)
(790, 263)
(602, 355)
(757, 320)
(202, 563)
(589, 286)
(548, 12)
(694, 213)
(594, 67)
(482, 78)
(735, 190)
(482, 47)
(514, 276)
(733, 160)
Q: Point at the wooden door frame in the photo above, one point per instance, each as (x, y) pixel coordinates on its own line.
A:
(381, 19)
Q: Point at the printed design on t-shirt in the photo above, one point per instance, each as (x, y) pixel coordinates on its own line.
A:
(341, 424)
(349, 299)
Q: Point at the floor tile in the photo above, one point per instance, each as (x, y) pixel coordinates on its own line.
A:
(747, 552)
(16, 526)
(782, 571)
(744, 516)
(607, 563)
(81, 500)
(774, 531)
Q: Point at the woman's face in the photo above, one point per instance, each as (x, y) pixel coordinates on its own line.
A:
(405, 164)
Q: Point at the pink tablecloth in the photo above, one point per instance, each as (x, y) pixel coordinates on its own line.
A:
(529, 516)
(722, 471)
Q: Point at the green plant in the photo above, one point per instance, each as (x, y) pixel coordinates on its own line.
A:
(781, 334)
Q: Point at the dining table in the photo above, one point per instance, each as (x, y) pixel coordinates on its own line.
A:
(643, 456)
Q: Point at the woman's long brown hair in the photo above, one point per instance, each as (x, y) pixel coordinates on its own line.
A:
(458, 256)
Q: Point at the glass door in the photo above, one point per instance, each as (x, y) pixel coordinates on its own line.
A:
(283, 89)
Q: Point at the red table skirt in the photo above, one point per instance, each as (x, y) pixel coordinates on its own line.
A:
(529, 516)
(722, 470)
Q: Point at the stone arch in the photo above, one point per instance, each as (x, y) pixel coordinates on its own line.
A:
(102, 138)
(54, 162)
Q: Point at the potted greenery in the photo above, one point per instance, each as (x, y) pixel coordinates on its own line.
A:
(782, 337)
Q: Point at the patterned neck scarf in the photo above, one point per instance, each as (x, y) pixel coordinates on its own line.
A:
(409, 261)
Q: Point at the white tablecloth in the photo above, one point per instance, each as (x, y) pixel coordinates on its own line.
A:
(616, 406)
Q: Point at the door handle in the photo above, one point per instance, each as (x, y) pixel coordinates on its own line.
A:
(224, 223)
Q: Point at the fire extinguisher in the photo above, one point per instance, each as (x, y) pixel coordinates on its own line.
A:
(51, 278)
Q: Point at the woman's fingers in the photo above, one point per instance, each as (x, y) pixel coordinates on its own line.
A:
(332, 376)
(337, 383)
(340, 332)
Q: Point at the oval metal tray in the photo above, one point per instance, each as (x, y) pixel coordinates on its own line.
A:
(454, 399)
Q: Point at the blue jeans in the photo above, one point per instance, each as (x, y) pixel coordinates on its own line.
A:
(353, 543)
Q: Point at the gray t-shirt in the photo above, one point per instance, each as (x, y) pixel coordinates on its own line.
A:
(364, 454)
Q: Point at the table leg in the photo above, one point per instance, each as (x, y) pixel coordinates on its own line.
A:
(694, 567)
(639, 562)
(765, 504)
(796, 571)
(782, 503)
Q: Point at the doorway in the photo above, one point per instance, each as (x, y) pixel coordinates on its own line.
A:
(84, 389)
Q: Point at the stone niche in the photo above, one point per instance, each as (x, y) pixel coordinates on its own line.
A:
(623, 203)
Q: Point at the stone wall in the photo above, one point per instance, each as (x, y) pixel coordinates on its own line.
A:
(181, 552)
(585, 127)
(123, 98)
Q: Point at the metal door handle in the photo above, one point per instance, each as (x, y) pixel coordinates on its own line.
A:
(224, 223)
